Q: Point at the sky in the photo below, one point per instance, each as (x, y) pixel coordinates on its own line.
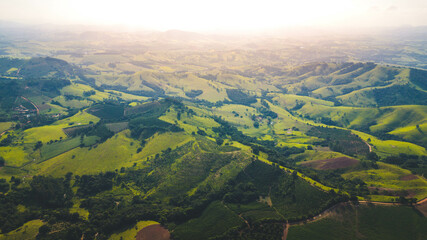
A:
(219, 15)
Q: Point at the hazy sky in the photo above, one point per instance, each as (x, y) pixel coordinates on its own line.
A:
(208, 15)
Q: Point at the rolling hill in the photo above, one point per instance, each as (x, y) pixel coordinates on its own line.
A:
(208, 151)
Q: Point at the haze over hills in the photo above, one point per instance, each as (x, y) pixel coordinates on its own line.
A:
(401, 46)
(134, 134)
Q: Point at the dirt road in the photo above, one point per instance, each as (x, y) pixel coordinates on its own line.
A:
(35, 106)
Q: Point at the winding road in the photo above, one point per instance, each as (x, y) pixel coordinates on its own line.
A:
(35, 106)
(370, 147)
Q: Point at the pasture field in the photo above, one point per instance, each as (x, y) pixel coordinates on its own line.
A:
(236, 114)
(83, 213)
(316, 154)
(160, 142)
(73, 103)
(5, 126)
(132, 231)
(215, 220)
(396, 120)
(44, 133)
(116, 152)
(364, 222)
(80, 118)
(400, 116)
(417, 133)
(55, 130)
(39, 99)
(8, 172)
(390, 147)
(190, 123)
(52, 109)
(26, 232)
(127, 96)
(117, 127)
(54, 149)
(285, 120)
(77, 89)
(295, 139)
(391, 178)
(290, 100)
(15, 156)
(11, 70)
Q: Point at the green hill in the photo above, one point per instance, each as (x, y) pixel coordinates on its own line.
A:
(208, 151)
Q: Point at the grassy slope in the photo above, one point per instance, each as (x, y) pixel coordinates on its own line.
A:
(191, 124)
(391, 147)
(114, 153)
(313, 155)
(131, 232)
(244, 112)
(388, 176)
(28, 231)
(54, 131)
(51, 150)
(396, 120)
(5, 126)
(118, 151)
(203, 164)
(15, 155)
(412, 133)
(352, 116)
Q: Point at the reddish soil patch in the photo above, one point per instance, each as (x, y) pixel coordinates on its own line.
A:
(153, 232)
(408, 177)
(422, 208)
(332, 163)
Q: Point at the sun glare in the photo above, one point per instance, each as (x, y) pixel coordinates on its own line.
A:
(207, 15)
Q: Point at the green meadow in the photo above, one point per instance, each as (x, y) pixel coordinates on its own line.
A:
(388, 177)
(28, 231)
(5, 126)
(132, 231)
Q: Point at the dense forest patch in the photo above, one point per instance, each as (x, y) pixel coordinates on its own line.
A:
(340, 140)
